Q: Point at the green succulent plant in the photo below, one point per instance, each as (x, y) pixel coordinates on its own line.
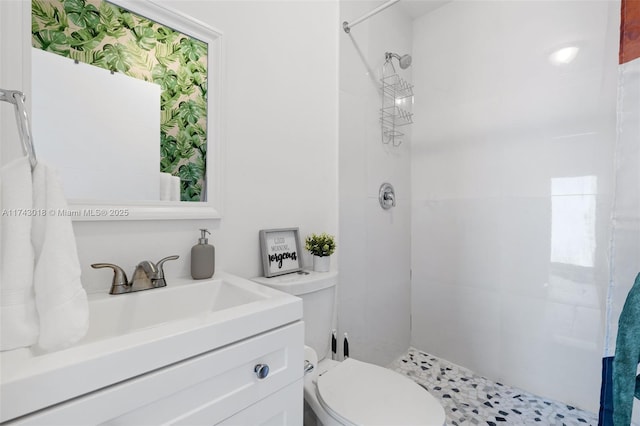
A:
(320, 244)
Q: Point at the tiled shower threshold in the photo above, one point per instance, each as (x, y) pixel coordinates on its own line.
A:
(470, 399)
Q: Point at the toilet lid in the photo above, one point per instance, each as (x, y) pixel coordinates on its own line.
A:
(356, 392)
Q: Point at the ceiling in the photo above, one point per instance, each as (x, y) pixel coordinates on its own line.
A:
(417, 8)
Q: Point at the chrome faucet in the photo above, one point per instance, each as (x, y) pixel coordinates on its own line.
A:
(146, 276)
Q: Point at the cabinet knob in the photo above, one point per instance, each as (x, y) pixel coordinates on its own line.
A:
(261, 370)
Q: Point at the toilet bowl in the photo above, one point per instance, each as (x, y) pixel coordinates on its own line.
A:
(353, 392)
(349, 392)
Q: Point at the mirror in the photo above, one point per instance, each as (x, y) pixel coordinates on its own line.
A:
(125, 105)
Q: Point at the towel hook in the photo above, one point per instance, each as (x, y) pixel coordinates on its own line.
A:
(18, 98)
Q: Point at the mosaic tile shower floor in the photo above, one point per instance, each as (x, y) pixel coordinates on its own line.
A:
(469, 399)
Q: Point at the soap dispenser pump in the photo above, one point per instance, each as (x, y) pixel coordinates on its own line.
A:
(203, 258)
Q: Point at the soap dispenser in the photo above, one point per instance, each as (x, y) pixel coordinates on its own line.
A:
(203, 258)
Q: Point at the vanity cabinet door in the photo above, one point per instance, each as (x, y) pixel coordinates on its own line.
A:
(283, 408)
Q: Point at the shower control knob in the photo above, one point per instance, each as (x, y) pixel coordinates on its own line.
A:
(387, 196)
(261, 370)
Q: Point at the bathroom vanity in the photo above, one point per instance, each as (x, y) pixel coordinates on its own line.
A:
(218, 351)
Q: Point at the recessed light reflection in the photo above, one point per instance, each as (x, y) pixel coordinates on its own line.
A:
(564, 56)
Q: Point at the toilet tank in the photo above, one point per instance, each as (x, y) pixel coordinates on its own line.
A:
(318, 293)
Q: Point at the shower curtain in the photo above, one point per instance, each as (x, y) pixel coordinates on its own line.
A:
(625, 240)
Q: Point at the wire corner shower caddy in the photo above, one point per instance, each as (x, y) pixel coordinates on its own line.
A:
(397, 101)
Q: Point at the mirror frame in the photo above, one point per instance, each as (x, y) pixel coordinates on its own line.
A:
(98, 210)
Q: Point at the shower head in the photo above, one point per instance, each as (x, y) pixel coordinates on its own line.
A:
(404, 60)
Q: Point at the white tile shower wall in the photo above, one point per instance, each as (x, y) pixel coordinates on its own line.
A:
(374, 289)
(280, 128)
(512, 186)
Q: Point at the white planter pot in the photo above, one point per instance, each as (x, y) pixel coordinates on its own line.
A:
(321, 263)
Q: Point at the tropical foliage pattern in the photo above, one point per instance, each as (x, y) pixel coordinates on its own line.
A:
(99, 33)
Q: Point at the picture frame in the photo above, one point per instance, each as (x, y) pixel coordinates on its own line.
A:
(281, 251)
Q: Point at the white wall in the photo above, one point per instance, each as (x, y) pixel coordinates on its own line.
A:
(280, 131)
(512, 183)
(12, 76)
(374, 292)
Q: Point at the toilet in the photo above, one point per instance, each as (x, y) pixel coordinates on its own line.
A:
(348, 392)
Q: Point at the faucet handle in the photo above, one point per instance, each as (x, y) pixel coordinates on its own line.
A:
(120, 282)
(160, 264)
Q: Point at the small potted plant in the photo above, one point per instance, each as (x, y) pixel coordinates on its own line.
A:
(321, 246)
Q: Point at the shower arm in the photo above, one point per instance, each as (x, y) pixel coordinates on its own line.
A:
(404, 61)
(388, 62)
(388, 56)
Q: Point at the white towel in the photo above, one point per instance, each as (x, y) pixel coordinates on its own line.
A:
(61, 301)
(18, 316)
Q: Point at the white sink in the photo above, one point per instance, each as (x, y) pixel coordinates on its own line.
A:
(132, 334)
(118, 315)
